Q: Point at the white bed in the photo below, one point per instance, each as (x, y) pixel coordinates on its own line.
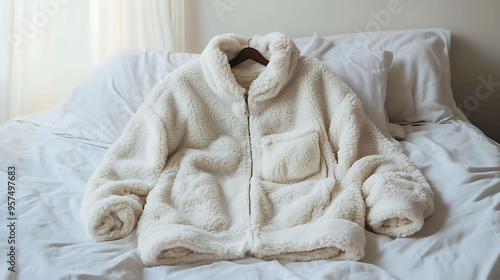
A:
(55, 153)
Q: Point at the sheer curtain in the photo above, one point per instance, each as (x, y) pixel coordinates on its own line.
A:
(48, 46)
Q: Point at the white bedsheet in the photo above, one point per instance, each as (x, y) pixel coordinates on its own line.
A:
(460, 241)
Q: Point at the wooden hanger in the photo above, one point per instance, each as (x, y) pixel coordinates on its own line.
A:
(247, 53)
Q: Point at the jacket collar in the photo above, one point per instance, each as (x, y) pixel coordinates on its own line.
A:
(280, 50)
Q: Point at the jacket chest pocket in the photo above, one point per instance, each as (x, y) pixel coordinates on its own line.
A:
(291, 156)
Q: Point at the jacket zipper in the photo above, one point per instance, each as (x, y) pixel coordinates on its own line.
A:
(247, 113)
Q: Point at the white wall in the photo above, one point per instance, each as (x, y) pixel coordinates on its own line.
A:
(475, 27)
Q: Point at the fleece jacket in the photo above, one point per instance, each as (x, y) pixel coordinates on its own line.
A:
(272, 162)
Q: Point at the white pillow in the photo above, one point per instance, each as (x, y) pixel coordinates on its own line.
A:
(100, 106)
(366, 74)
(418, 85)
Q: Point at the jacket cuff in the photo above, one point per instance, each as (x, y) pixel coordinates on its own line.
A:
(111, 218)
(395, 217)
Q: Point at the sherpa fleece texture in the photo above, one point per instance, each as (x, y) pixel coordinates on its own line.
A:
(295, 174)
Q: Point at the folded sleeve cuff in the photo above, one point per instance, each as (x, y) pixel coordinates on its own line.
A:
(395, 217)
(111, 218)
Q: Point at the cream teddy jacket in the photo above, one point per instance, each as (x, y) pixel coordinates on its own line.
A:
(275, 162)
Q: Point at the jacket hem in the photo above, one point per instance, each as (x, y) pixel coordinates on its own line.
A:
(323, 239)
(175, 244)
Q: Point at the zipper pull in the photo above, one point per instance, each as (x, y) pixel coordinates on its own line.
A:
(247, 111)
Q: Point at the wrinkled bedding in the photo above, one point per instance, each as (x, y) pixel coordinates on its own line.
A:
(460, 241)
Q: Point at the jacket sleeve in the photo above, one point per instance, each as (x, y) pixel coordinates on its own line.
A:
(117, 190)
(396, 194)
